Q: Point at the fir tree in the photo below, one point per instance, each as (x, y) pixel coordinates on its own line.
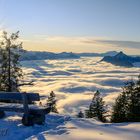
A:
(131, 100)
(96, 108)
(119, 112)
(11, 75)
(80, 114)
(51, 102)
(127, 105)
(134, 105)
(122, 110)
(10, 71)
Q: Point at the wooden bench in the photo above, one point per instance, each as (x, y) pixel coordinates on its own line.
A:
(33, 114)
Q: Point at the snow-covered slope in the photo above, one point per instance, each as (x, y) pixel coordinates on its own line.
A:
(61, 127)
(87, 129)
(12, 129)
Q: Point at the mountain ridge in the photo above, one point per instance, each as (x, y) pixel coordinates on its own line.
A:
(38, 55)
(121, 59)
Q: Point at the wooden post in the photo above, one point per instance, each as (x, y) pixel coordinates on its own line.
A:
(25, 106)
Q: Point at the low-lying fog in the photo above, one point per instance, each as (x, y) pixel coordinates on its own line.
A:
(75, 80)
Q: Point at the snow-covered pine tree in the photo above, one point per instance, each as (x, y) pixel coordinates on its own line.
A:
(96, 108)
(51, 102)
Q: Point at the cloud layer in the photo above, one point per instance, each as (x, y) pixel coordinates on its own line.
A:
(75, 81)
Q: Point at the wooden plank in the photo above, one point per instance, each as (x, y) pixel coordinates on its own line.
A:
(9, 109)
(17, 96)
(15, 105)
(19, 108)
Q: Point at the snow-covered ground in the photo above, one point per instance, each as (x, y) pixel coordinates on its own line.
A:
(74, 82)
(87, 129)
(62, 127)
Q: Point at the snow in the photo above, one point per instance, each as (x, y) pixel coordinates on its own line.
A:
(15, 130)
(64, 127)
(73, 81)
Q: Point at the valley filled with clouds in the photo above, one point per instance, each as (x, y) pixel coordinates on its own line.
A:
(76, 80)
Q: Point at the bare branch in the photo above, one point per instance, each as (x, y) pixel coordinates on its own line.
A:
(26, 84)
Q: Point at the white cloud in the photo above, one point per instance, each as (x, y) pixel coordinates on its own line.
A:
(75, 91)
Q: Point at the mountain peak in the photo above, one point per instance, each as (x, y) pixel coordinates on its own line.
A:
(121, 55)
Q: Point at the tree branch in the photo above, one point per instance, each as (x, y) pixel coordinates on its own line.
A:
(26, 84)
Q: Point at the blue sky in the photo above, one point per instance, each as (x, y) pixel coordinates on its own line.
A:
(51, 25)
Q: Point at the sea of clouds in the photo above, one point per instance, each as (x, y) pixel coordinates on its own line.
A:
(76, 80)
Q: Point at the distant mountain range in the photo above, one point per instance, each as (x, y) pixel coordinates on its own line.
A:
(113, 57)
(121, 59)
(110, 53)
(37, 55)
